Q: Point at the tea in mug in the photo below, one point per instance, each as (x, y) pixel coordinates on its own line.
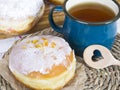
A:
(92, 12)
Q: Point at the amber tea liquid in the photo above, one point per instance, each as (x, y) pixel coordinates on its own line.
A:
(92, 12)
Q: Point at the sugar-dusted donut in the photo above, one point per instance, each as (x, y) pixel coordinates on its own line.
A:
(43, 62)
(19, 16)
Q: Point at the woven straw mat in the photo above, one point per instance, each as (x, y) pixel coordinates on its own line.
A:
(86, 78)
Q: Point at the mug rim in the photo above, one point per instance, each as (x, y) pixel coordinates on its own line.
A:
(93, 23)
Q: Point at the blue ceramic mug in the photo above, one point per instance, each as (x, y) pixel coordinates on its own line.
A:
(81, 34)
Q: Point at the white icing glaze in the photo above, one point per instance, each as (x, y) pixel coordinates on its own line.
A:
(29, 59)
(15, 9)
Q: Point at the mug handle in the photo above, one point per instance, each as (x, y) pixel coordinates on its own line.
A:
(51, 21)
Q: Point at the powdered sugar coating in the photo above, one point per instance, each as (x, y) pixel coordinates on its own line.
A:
(25, 57)
(15, 9)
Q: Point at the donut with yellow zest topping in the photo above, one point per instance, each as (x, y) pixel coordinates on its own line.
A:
(43, 62)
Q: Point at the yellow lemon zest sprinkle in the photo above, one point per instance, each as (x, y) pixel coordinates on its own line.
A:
(24, 47)
(45, 43)
(44, 39)
(53, 44)
(38, 45)
(34, 41)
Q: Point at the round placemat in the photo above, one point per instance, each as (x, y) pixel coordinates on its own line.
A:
(86, 78)
(107, 78)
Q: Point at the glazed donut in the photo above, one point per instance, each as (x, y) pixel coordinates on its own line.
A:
(42, 62)
(19, 16)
